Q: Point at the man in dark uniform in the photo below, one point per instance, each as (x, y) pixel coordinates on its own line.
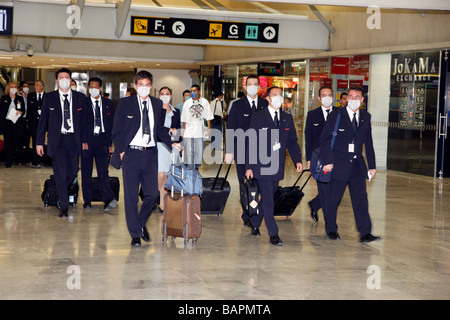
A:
(347, 165)
(275, 132)
(34, 112)
(315, 121)
(239, 118)
(99, 123)
(62, 115)
(138, 125)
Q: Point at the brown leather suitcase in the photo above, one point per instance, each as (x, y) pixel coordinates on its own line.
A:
(182, 217)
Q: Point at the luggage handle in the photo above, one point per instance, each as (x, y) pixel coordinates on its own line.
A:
(175, 153)
(301, 174)
(217, 177)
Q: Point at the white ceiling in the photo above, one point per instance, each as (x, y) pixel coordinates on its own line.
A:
(266, 7)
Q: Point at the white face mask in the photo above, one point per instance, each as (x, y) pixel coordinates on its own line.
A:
(26, 90)
(94, 92)
(327, 101)
(252, 90)
(165, 99)
(13, 90)
(276, 101)
(143, 91)
(64, 83)
(354, 104)
(73, 87)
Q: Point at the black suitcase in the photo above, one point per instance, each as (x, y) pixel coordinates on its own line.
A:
(50, 194)
(97, 195)
(249, 194)
(215, 193)
(286, 199)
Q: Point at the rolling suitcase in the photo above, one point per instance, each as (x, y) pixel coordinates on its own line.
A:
(286, 199)
(182, 214)
(249, 194)
(182, 217)
(96, 193)
(215, 193)
(50, 194)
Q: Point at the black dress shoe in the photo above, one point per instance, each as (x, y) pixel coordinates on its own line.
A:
(136, 242)
(333, 236)
(369, 238)
(87, 205)
(145, 236)
(255, 232)
(275, 240)
(63, 213)
(314, 215)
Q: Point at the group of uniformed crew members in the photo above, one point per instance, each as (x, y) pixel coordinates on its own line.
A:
(144, 130)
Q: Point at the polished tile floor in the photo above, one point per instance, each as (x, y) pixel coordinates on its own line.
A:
(88, 255)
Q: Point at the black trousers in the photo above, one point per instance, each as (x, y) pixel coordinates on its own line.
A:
(11, 136)
(98, 151)
(139, 169)
(65, 167)
(240, 172)
(356, 183)
(267, 188)
(316, 203)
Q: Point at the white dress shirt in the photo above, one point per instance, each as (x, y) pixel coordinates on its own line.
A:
(138, 139)
(101, 112)
(62, 98)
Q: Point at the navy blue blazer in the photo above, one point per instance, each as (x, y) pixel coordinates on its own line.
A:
(127, 121)
(339, 156)
(313, 129)
(262, 123)
(52, 117)
(176, 123)
(107, 116)
(5, 102)
(239, 118)
(32, 110)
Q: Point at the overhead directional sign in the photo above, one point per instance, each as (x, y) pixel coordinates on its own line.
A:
(203, 29)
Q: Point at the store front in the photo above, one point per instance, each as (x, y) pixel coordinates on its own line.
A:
(288, 75)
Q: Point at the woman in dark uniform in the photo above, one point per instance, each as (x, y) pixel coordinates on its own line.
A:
(11, 103)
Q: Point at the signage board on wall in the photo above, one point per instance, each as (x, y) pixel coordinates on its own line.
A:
(270, 69)
(412, 74)
(203, 29)
(6, 16)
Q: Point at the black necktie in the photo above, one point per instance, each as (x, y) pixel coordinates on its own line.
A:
(145, 121)
(66, 113)
(39, 100)
(98, 120)
(253, 107)
(354, 123)
(275, 120)
(328, 113)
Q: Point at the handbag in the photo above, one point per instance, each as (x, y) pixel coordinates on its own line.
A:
(182, 179)
(316, 163)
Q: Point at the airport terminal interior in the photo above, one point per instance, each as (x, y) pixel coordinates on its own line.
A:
(400, 58)
(412, 261)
